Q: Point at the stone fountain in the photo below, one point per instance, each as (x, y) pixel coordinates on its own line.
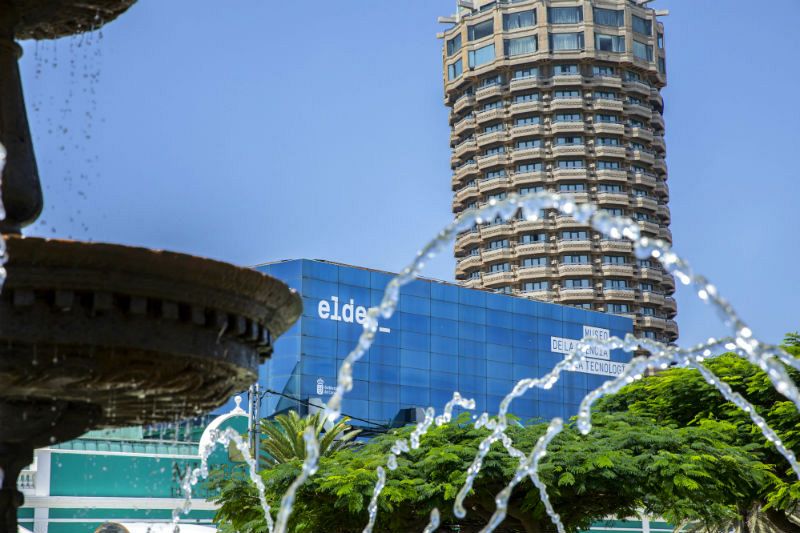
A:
(101, 335)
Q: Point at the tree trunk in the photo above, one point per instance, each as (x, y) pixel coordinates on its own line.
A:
(781, 521)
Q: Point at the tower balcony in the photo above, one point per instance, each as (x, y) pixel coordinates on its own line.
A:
(467, 193)
(494, 185)
(577, 245)
(660, 165)
(529, 178)
(536, 273)
(543, 295)
(613, 82)
(617, 270)
(491, 137)
(601, 150)
(527, 130)
(627, 295)
(467, 147)
(665, 234)
(567, 127)
(648, 227)
(637, 87)
(473, 283)
(645, 202)
(607, 104)
(566, 222)
(468, 262)
(651, 322)
(671, 328)
(574, 295)
(522, 226)
(534, 248)
(521, 154)
(615, 246)
(482, 117)
(531, 82)
(489, 92)
(493, 279)
(650, 274)
(642, 134)
(638, 110)
(609, 128)
(463, 125)
(559, 104)
(643, 156)
(464, 102)
(569, 174)
(497, 254)
(465, 171)
(611, 175)
(652, 298)
(657, 121)
(569, 150)
(659, 145)
(568, 270)
(493, 160)
(642, 178)
(526, 107)
(577, 197)
(668, 283)
(663, 213)
(670, 306)
(612, 198)
(468, 239)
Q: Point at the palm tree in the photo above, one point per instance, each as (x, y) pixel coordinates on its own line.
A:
(284, 437)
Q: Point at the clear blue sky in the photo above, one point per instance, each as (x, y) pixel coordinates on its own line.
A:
(264, 131)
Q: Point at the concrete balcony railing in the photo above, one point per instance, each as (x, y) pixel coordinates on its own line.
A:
(467, 193)
(465, 240)
(638, 110)
(491, 279)
(610, 151)
(659, 144)
(488, 92)
(662, 189)
(668, 284)
(611, 175)
(473, 283)
(497, 254)
(609, 128)
(645, 202)
(606, 104)
(659, 165)
(530, 178)
(613, 198)
(494, 184)
(534, 273)
(543, 295)
(463, 103)
(643, 157)
(665, 233)
(559, 104)
(671, 328)
(627, 295)
(612, 246)
(466, 147)
(492, 160)
(570, 294)
(526, 107)
(482, 117)
(465, 171)
(617, 270)
(569, 174)
(582, 245)
(567, 127)
(650, 274)
(640, 178)
(469, 262)
(526, 83)
(567, 79)
(571, 270)
(656, 98)
(614, 82)
(577, 197)
(532, 225)
(670, 306)
(491, 137)
(637, 87)
(520, 154)
(568, 150)
(526, 130)
(534, 248)
(565, 222)
(496, 230)
(463, 125)
(652, 298)
(642, 134)
(657, 121)
(651, 322)
(648, 227)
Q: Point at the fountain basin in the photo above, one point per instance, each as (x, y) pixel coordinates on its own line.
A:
(50, 19)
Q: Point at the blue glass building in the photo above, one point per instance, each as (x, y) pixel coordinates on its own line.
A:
(442, 338)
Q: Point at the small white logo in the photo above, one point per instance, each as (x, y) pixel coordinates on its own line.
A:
(320, 386)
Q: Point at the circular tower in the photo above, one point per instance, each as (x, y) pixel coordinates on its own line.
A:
(562, 96)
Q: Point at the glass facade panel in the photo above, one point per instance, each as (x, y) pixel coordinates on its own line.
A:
(443, 338)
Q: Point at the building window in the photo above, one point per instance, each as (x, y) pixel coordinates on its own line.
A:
(500, 267)
(606, 119)
(572, 187)
(493, 128)
(607, 141)
(569, 140)
(642, 51)
(476, 274)
(526, 73)
(643, 217)
(497, 197)
(605, 187)
(575, 259)
(505, 289)
(491, 81)
(614, 260)
(636, 123)
(495, 150)
(605, 95)
(613, 211)
(527, 121)
(647, 311)
(570, 163)
(480, 30)
(662, 65)
(609, 17)
(609, 43)
(608, 165)
(528, 190)
(453, 45)
(531, 238)
(643, 26)
(492, 174)
(523, 19)
(481, 56)
(644, 263)
(454, 70)
(528, 143)
(565, 15)
(660, 41)
(647, 334)
(492, 105)
(567, 117)
(521, 46)
(575, 235)
(498, 244)
(646, 287)
(529, 167)
(598, 70)
(632, 76)
(567, 93)
(615, 284)
(473, 251)
(565, 70)
(619, 308)
(566, 41)
(530, 262)
(584, 305)
(536, 286)
(527, 97)
(577, 284)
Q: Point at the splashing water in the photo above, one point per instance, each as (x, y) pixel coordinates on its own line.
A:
(3, 255)
(742, 342)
